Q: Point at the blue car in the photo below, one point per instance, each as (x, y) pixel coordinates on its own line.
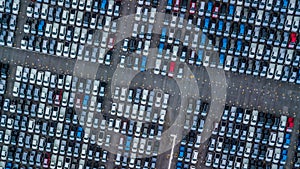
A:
(169, 4)
(199, 58)
(222, 59)
(203, 40)
(206, 24)
(242, 31)
(209, 8)
(163, 34)
(79, 133)
(85, 101)
(179, 165)
(284, 5)
(220, 27)
(287, 140)
(230, 12)
(103, 7)
(181, 153)
(128, 142)
(239, 44)
(160, 48)
(143, 65)
(41, 28)
(8, 165)
(239, 117)
(224, 45)
(283, 156)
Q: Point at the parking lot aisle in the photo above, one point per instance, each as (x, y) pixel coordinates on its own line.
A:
(128, 7)
(37, 60)
(294, 141)
(161, 6)
(21, 19)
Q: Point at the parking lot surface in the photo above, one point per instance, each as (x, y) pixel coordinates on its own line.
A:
(185, 68)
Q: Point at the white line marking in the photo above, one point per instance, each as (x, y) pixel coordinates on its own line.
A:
(172, 150)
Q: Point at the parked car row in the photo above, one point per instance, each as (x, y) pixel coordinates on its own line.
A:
(59, 81)
(61, 11)
(245, 135)
(139, 112)
(132, 161)
(9, 10)
(8, 22)
(17, 158)
(69, 32)
(46, 144)
(10, 6)
(66, 32)
(188, 151)
(141, 97)
(296, 159)
(262, 41)
(7, 35)
(271, 36)
(233, 9)
(3, 77)
(66, 49)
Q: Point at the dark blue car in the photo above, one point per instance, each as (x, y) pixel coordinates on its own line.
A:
(242, 31)
(224, 45)
(206, 24)
(230, 12)
(222, 59)
(41, 28)
(209, 8)
(160, 48)
(220, 27)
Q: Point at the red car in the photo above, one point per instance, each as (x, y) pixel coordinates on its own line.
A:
(293, 40)
(58, 97)
(46, 162)
(111, 43)
(215, 11)
(78, 101)
(290, 124)
(171, 69)
(176, 5)
(193, 8)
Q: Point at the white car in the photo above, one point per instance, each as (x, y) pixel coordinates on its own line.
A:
(271, 71)
(138, 13)
(158, 99)
(16, 89)
(19, 73)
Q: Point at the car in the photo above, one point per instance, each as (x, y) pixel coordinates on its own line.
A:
(283, 121)
(292, 40)
(215, 10)
(290, 124)
(209, 159)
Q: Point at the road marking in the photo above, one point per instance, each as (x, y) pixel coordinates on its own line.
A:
(172, 150)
